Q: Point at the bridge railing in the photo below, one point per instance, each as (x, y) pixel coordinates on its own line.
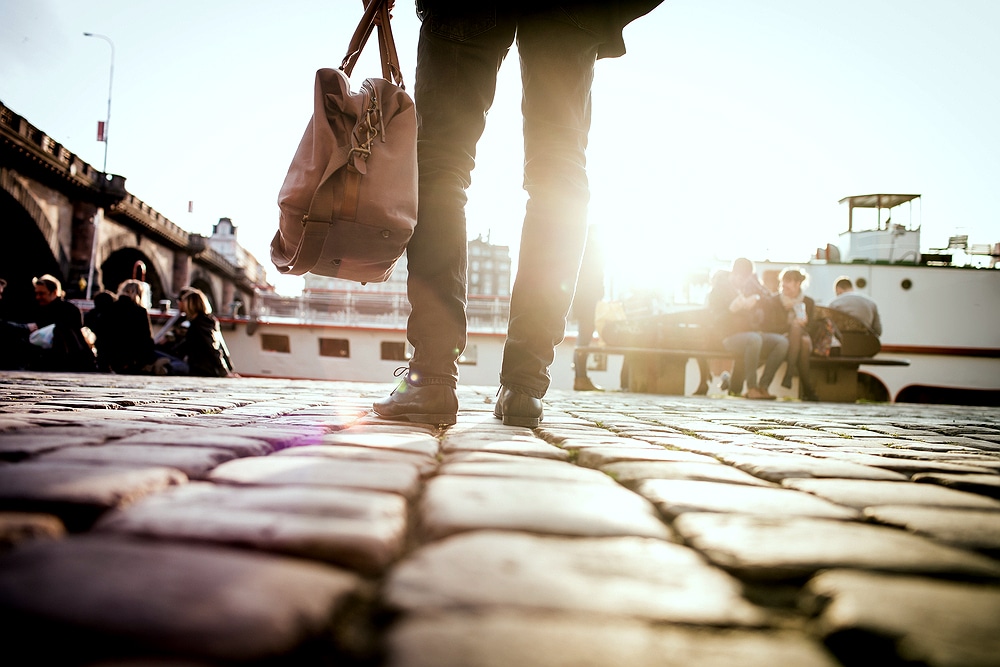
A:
(18, 128)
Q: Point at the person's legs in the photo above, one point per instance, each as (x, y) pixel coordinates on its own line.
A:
(704, 377)
(807, 391)
(794, 348)
(745, 346)
(557, 70)
(585, 335)
(458, 54)
(774, 349)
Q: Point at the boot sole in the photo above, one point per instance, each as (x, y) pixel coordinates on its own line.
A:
(528, 422)
(441, 419)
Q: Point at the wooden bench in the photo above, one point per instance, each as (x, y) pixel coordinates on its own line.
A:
(657, 351)
(664, 371)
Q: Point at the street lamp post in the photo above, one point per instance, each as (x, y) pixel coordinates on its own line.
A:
(104, 171)
(111, 83)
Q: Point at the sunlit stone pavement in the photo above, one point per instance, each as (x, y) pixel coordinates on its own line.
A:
(184, 521)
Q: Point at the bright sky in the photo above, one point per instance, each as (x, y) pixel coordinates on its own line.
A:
(730, 128)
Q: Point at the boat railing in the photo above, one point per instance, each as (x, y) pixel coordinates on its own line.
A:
(368, 309)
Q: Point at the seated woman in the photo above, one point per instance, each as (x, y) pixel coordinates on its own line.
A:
(791, 313)
(739, 318)
(125, 339)
(203, 347)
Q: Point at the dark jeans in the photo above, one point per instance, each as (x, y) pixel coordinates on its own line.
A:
(749, 348)
(458, 56)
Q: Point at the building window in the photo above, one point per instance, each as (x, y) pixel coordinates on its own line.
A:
(275, 343)
(470, 357)
(334, 347)
(394, 351)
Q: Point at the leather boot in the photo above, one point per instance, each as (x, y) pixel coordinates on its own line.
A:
(790, 372)
(517, 409)
(585, 384)
(423, 403)
(806, 388)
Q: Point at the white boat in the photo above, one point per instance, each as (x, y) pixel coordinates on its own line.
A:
(941, 316)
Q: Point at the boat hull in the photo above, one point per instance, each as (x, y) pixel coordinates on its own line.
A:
(945, 321)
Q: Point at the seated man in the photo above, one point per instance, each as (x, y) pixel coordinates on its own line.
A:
(70, 351)
(739, 318)
(858, 306)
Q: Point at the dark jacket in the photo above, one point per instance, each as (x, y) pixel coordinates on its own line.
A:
(70, 351)
(727, 322)
(605, 18)
(778, 319)
(204, 348)
(126, 337)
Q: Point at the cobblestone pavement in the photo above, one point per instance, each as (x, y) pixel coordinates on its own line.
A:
(154, 521)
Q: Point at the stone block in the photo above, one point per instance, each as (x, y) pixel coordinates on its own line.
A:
(79, 492)
(922, 621)
(631, 577)
(195, 462)
(966, 528)
(393, 476)
(362, 530)
(633, 473)
(87, 597)
(552, 639)
(453, 504)
(868, 493)
(676, 497)
(769, 548)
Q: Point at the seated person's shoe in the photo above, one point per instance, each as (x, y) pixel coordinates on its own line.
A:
(425, 404)
(758, 394)
(584, 384)
(517, 409)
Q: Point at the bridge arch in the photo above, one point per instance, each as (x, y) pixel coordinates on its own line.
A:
(20, 193)
(27, 250)
(120, 265)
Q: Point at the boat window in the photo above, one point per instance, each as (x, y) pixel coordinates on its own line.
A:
(394, 351)
(334, 347)
(470, 357)
(275, 343)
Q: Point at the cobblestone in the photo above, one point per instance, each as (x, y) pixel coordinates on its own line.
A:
(262, 522)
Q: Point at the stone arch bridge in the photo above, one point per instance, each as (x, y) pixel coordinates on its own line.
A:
(60, 215)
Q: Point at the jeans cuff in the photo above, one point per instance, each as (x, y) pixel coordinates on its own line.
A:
(420, 380)
(521, 389)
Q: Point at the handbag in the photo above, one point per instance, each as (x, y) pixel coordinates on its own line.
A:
(348, 204)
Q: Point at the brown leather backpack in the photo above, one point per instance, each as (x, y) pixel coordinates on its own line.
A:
(348, 204)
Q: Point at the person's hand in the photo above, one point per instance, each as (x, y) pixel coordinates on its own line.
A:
(742, 302)
(32, 327)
